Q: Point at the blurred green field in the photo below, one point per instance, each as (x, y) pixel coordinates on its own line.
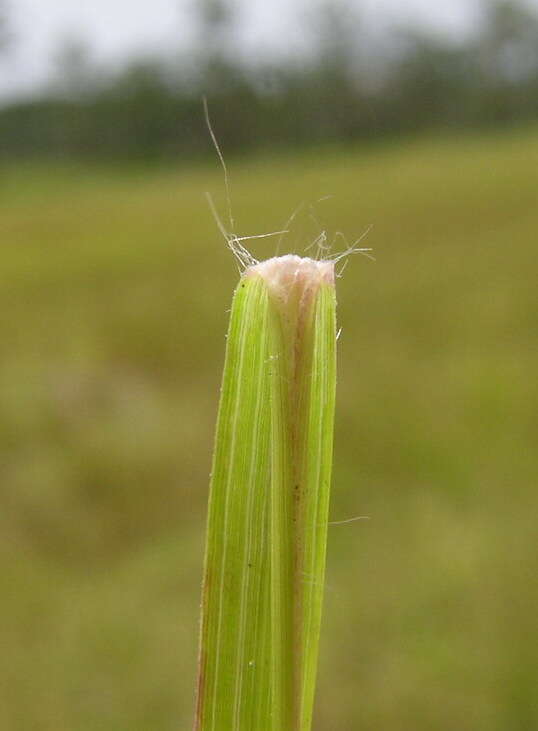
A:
(114, 290)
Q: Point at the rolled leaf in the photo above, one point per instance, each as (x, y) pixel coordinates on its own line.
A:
(268, 506)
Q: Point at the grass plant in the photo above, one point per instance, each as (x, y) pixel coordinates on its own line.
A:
(269, 498)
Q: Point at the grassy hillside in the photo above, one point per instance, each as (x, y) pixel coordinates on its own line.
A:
(114, 287)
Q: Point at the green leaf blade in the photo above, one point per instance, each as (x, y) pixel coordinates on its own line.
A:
(234, 639)
(316, 479)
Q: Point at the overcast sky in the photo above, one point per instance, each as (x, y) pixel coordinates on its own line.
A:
(116, 28)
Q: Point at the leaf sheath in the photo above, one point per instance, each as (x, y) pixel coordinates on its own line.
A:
(269, 497)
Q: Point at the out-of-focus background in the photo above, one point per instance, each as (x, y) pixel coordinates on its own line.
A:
(114, 291)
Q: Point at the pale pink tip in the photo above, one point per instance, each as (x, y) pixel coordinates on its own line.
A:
(291, 273)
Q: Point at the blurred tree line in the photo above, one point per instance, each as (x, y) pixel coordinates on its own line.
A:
(350, 85)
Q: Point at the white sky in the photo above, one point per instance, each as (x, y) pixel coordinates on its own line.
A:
(116, 28)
